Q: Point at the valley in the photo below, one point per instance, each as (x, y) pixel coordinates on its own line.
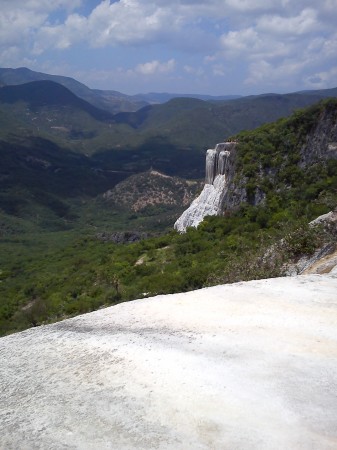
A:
(75, 178)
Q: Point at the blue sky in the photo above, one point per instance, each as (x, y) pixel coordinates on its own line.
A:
(213, 47)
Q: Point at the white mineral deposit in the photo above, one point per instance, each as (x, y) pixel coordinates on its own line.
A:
(210, 201)
(252, 365)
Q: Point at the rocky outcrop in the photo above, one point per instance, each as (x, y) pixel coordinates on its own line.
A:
(321, 142)
(324, 259)
(219, 172)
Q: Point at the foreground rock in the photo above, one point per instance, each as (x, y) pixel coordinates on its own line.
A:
(245, 366)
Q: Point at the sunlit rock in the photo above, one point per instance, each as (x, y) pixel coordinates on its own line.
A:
(219, 162)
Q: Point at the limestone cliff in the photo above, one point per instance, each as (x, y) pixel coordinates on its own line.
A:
(219, 172)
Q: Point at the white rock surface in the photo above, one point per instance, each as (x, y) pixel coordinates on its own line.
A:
(211, 200)
(328, 217)
(208, 203)
(244, 366)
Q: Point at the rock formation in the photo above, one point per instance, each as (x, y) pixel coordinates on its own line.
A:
(219, 164)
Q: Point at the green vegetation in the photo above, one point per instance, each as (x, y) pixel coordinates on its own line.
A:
(46, 276)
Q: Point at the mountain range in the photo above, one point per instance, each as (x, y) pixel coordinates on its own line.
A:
(111, 100)
(58, 143)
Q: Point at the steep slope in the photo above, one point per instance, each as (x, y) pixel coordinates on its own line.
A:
(248, 365)
(324, 259)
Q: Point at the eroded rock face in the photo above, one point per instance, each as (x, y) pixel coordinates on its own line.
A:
(219, 171)
(322, 141)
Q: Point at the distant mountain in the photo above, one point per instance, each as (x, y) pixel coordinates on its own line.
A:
(50, 111)
(47, 94)
(115, 102)
(169, 137)
(155, 97)
(196, 124)
(112, 101)
(324, 92)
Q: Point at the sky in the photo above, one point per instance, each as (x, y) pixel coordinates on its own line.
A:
(215, 47)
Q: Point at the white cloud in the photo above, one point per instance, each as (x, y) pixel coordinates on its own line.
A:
(155, 67)
(273, 41)
(125, 22)
(20, 21)
(197, 71)
(280, 50)
(263, 72)
(219, 70)
(320, 80)
(305, 22)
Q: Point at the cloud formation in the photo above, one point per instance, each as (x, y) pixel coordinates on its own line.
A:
(260, 44)
(153, 67)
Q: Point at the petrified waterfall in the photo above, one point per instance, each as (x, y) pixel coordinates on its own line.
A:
(210, 165)
(211, 200)
(216, 160)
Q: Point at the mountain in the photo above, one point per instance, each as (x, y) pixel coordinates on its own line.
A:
(163, 97)
(170, 138)
(180, 122)
(145, 192)
(195, 123)
(38, 94)
(112, 101)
